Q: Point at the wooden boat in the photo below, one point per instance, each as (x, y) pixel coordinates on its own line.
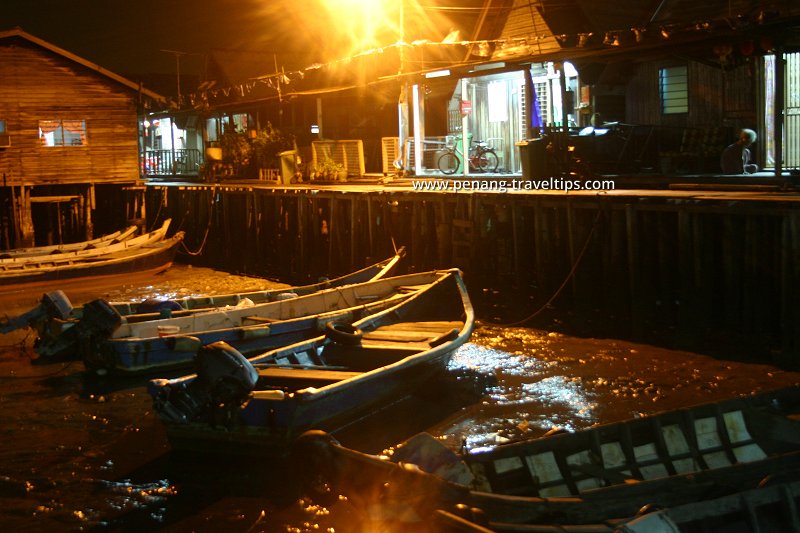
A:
(147, 257)
(99, 242)
(259, 406)
(590, 478)
(146, 346)
(54, 318)
(381, 269)
(11, 265)
(772, 506)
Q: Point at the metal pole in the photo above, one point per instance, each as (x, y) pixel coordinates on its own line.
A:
(402, 110)
(464, 128)
(778, 106)
(417, 130)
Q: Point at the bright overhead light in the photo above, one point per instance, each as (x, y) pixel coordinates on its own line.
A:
(438, 74)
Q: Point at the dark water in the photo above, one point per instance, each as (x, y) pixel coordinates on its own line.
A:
(86, 454)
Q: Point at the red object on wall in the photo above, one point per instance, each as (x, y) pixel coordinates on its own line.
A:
(466, 107)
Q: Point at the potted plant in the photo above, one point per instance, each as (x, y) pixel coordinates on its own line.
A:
(267, 144)
(329, 170)
(236, 150)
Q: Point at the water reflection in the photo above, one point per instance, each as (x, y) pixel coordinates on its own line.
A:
(530, 396)
(89, 454)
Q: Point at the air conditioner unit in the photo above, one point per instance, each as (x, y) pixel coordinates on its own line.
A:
(5, 140)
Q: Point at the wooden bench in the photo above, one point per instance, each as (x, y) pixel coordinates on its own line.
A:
(302, 377)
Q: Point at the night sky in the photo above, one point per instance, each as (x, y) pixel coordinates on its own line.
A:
(127, 36)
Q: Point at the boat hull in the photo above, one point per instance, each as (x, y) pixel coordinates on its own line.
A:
(137, 356)
(154, 257)
(271, 430)
(328, 382)
(537, 483)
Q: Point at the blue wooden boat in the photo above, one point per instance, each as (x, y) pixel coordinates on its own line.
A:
(151, 308)
(55, 319)
(261, 405)
(590, 480)
(154, 345)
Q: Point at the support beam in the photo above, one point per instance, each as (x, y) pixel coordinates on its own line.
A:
(779, 104)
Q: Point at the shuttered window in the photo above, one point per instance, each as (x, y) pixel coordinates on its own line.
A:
(62, 132)
(674, 85)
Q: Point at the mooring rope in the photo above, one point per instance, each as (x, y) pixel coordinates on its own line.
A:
(208, 226)
(566, 280)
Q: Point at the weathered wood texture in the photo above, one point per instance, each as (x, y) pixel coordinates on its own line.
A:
(698, 270)
(39, 84)
(717, 97)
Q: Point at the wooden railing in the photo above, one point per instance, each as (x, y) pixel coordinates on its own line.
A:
(179, 162)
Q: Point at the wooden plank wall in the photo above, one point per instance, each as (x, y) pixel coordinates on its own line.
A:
(682, 269)
(38, 84)
(717, 97)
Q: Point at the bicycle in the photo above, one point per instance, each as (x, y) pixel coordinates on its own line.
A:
(482, 158)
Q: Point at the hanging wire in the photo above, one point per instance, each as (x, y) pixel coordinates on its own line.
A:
(211, 206)
(566, 280)
(160, 205)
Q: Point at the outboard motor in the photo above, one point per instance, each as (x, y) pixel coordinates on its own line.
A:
(227, 375)
(225, 379)
(99, 321)
(53, 306)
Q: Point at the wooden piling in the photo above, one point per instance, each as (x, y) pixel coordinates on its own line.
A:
(685, 266)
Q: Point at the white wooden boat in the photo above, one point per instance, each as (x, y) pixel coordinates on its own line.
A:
(153, 256)
(18, 264)
(99, 242)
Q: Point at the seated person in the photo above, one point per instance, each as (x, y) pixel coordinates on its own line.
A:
(736, 157)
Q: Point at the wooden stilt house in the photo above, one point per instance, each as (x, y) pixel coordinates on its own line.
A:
(69, 138)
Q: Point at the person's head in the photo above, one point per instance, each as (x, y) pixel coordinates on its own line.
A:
(747, 137)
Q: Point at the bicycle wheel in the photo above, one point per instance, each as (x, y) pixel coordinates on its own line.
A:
(448, 163)
(488, 161)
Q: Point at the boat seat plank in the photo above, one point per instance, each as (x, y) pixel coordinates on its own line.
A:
(412, 288)
(300, 366)
(431, 325)
(259, 319)
(397, 336)
(304, 374)
(412, 331)
(399, 345)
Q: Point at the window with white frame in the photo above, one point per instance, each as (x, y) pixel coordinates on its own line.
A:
(498, 101)
(674, 87)
(62, 132)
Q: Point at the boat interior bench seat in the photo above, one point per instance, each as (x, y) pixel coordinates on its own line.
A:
(302, 377)
(413, 334)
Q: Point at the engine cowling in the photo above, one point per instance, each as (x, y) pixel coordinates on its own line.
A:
(225, 379)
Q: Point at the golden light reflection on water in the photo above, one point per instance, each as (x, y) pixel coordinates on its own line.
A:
(65, 444)
(530, 397)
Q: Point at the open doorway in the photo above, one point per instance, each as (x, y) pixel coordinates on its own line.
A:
(791, 126)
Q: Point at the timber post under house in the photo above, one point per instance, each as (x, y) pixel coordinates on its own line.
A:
(685, 263)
